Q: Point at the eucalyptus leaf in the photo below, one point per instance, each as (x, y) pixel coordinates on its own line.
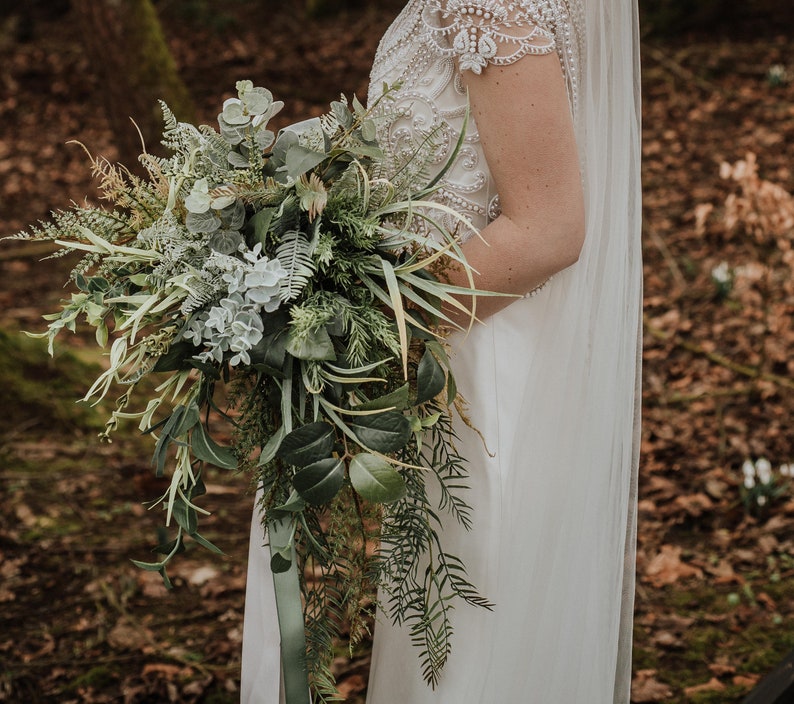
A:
(202, 223)
(342, 113)
(237, 160)
(225, 241)
(300, 159)
(224, 201)
(430, 378)
(383, 432)
(369, 130)
(375, 479)
(309, 443)
(233, 215)
(207, 450)
(286, 138)
(321, 481)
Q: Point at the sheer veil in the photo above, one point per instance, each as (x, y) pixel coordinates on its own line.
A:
(610, 118)
(584, 391)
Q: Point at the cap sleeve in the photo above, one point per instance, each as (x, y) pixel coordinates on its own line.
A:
(483, 32)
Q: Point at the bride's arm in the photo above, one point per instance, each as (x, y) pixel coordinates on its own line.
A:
(524, 122)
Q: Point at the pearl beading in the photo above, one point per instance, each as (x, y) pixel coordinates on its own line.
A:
(426, 50)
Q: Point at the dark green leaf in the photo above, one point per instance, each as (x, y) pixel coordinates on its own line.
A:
(375, 479)
(167, 435)
(430, 378)
(176, 358)
(316, 346)
(185, 516)
(98, 284)
(190, 418)
(271, 447)
(207, 450)
(270, 350)
(397, 399)
(281, 561)
(201, 540)
(385, 432)
(309, 443)
(294, 504)
(321, 481)
(260, 224)
(148, 566)
(452, 389)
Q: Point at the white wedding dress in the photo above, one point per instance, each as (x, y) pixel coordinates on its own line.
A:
(551, 382)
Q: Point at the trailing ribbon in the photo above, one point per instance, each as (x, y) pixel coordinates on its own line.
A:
(290, 615)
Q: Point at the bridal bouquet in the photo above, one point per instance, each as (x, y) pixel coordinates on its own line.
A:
(296, 278)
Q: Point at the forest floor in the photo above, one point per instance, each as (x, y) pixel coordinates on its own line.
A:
(715, 561)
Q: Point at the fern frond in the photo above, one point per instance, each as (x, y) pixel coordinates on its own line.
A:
(294, 253)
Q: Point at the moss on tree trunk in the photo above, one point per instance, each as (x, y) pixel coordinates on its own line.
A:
(125, 41)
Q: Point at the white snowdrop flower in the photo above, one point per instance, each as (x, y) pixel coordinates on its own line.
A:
(777, 74)
(721, 273)
(763, 468)
(749, 482)
(785, 470)
(761, 500)
(748, 468)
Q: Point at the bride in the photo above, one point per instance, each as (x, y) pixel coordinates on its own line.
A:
(549, 175)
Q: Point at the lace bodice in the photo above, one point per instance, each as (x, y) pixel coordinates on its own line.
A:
(428, 46)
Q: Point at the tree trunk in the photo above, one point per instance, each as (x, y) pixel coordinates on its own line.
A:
(125, 42)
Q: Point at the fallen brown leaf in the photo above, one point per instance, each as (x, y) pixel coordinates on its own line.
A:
(646, 689)
(713, 685)
(667, 567)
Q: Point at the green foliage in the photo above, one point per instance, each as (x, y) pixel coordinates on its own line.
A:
(283, 263)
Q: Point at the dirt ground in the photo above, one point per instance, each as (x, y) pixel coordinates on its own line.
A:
(714, 610)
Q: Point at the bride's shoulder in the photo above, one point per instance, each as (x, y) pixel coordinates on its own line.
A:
(481, 32)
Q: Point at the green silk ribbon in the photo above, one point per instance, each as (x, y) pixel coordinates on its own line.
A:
(290, 618)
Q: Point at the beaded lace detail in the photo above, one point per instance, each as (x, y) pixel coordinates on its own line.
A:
(427, 48)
